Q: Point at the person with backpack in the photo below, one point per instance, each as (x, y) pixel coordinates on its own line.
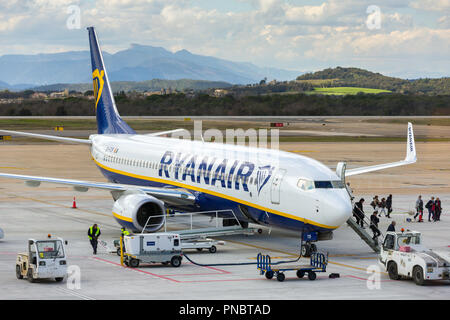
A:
(375, 203)
(431, 207)
(374, 225)
(358, 212)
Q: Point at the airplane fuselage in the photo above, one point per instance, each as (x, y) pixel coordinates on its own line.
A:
(259, 185)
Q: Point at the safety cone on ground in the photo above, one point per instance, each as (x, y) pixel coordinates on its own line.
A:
(74, 204)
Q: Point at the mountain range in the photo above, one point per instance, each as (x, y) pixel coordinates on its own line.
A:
(137, 63)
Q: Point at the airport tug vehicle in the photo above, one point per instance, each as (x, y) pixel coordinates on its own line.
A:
(45, 259)
(318, 263)
(161, 247)
(403, 255)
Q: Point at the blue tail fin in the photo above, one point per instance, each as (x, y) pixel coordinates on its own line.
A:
(108, 119)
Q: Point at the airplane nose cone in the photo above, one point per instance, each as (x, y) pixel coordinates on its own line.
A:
(342, 211)
(338, 208)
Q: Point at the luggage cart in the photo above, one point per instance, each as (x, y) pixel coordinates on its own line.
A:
(318, 263)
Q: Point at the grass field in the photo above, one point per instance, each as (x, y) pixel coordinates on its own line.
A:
(345, 90)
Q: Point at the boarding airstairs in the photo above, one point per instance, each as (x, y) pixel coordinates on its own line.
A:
(364, 234)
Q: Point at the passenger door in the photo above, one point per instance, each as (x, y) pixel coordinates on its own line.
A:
(276, 185)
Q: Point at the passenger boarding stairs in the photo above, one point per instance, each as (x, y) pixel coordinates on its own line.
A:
(365, 233)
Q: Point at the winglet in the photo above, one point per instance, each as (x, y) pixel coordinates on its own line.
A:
(411, 155)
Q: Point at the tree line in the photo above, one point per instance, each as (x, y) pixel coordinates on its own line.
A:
(229, 105)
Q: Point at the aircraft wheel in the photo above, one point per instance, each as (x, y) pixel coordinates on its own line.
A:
(269, 275)
(280, 277)
(418, 275)
(306, 250)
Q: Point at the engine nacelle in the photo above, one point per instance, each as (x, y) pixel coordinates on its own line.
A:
(136, 210)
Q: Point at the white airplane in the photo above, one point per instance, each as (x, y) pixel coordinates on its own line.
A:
(149, 173)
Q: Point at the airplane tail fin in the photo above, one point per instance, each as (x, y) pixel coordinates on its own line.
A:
(108, 119)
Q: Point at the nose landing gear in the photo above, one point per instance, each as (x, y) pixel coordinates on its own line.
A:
(308, 248)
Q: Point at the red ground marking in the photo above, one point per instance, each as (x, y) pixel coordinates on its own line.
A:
(134, 269)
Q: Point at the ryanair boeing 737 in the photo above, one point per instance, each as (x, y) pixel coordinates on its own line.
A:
(149, 173)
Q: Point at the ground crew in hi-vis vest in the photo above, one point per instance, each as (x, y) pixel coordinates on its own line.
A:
(93, 234)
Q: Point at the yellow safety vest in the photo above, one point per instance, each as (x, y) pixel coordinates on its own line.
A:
(96, 233)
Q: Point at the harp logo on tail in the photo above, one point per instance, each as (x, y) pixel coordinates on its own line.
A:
(263, 175)
(97, 78)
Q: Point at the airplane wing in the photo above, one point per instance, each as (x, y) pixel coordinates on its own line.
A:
(410, 158)
(161, 133)
(169, 195)
(47, 137)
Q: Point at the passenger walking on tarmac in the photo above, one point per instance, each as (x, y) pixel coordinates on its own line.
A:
(389, 205)
(391, 227)
(93, 234)
(383, 207)
(358, 212)
(419, 209)
(438, 209)
(374, 225)
(431, 207)
(375, 203)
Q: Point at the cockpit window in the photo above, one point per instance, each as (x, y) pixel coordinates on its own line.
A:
(337, 184)
(305, 184)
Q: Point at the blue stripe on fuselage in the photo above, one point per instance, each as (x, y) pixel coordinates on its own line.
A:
(208, 202)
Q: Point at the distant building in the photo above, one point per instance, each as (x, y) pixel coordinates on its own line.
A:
(220, 92)
(61, 94)
(151, 93)
(38, 95)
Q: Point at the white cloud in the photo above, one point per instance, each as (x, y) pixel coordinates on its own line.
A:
(431, 5)
(272, 33)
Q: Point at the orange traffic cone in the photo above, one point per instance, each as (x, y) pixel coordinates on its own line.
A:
(74, 204)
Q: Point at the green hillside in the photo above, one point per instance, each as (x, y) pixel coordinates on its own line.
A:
(355, 77)
(345, 90)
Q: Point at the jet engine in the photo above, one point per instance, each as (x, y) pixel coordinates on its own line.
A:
(140, 210)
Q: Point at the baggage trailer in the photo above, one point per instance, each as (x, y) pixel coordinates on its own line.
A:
(318, 263)
(162, 248)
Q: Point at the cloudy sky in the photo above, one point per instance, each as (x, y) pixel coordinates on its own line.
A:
(405, 38)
